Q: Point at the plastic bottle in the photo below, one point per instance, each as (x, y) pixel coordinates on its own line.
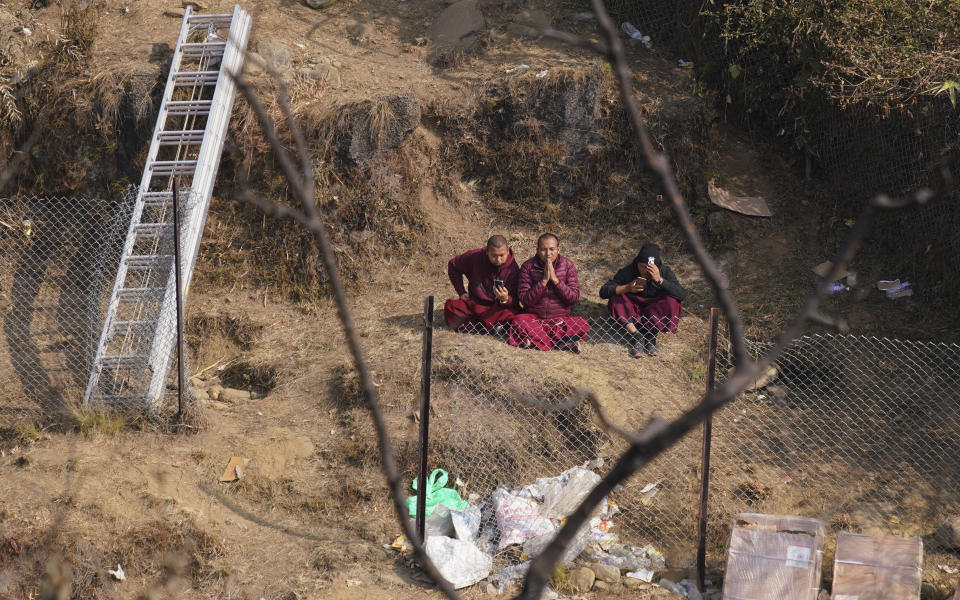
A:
(630, 31)
(628, 28)
(838, 288)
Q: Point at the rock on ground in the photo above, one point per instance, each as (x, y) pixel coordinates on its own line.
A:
(318, 3)
(582, 579)
(455, 32)
(231, 396)
(457, 24)
(528, 23)
(607, 573)
(253, 65)
(325, 74)
(276, 54)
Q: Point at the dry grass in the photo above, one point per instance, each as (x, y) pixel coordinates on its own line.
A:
(516, 143)
(95, 423)
(167, 555)
(346, 387)
(79, 24)
(98, 114)
(372, 210)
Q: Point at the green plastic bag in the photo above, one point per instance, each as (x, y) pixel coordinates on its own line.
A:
(437, 494)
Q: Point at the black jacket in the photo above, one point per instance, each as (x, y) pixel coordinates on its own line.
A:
(671, 285)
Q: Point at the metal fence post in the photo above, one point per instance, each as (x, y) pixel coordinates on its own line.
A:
(176, 270)
(425, 415)
(705, 456)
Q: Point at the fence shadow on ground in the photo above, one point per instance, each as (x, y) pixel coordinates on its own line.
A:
(57, 258)
(858, 432)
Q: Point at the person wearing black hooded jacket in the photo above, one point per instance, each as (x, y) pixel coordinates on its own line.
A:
(645, 296)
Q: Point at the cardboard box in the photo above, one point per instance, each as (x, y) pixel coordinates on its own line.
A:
(874, 568)
(774, 558)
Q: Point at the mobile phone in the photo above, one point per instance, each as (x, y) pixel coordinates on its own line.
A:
(497, 282)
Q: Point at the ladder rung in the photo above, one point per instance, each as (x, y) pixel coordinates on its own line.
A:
(148, 261)
(157, 199)
(173, 167)
(207, 19)
(135, 361)
(195, 77)
(179, 108)
(176, 137)
(119, 398)
(116, 326)
(140, 294)
(155, 230)
(195, 49)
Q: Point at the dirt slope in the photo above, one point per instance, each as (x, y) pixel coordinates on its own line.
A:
(310, 518)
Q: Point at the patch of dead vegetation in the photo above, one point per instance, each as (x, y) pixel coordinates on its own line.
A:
(368, 177)
(556, 147)
(172, 554)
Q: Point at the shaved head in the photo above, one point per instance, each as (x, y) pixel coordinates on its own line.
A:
(546, 236)
(498, 252)
(496, 241)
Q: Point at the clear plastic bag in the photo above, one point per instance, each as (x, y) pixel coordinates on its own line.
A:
(534, 546)
(518, 518)
(562, 495)
(466, 523)
(461, 563)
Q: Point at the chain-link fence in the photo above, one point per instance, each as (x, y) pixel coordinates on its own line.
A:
(58, 261)
(856, 431)
(765, 80)
(138, 345)
(859, 432)
(501, 420)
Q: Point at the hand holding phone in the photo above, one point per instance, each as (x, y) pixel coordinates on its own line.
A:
(500, 291)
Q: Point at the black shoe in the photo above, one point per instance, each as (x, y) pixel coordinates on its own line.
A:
(500, 331)
(651, 346)
(568, 343)
(636, 344)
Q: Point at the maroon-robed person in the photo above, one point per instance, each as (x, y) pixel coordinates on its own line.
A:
(548, 288)
(490, 299)
(645, 297)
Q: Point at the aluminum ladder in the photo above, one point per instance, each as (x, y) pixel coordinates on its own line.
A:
(134, 354)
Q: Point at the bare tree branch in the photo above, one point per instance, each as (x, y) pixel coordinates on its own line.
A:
(302, 185)
(658, 435)
(660, 164)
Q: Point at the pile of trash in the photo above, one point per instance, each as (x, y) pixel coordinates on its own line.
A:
(465, 539)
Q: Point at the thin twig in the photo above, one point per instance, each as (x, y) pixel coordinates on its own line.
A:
(302, 185)
(658, 436)
(661, 166)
